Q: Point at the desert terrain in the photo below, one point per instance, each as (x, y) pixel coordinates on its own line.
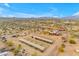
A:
(39, 37)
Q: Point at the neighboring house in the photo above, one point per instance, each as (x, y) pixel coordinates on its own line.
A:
(55, 32)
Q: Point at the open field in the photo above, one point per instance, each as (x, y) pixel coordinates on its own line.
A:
(39, 37)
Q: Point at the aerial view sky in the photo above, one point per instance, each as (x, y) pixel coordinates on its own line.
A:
(38, 9)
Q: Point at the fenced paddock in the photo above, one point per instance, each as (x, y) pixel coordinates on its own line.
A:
(41, 48)
(43, 39)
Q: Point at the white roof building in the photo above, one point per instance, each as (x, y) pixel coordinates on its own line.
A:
(6, 53)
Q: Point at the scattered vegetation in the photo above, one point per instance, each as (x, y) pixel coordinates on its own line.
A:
(42, 26)
(17, 49)
(72, 41)
(63, 45)
(9, 43)
(34, 54)
(61, 48)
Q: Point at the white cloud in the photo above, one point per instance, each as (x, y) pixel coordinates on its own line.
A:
(34, 15)
(6, 4)
(77, 13)
(56, 16)
(54, 9)
(25, 15)
(4, 13)
(18, 14)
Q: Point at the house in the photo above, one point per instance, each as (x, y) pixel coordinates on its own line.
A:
(55, 32)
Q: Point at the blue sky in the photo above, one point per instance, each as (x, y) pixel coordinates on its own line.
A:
(38, 9)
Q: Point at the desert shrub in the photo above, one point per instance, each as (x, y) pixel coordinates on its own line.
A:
(34, 54)
(62, 45)
(17, 49)
(73, 36)
(61, 49)
(16, 52)
(72, 41)
(45, 32)
(9, 43)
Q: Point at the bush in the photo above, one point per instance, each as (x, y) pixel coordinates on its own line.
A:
(16, 52)
(17, 49)
(9, 43)
(62, 45)
(45, 32)
(72, 41)
(34, 54)
(61, 49)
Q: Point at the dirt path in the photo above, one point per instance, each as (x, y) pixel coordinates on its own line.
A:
(52, 50)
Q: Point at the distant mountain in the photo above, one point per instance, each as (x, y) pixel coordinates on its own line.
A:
(33, 18)
(74, 17)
